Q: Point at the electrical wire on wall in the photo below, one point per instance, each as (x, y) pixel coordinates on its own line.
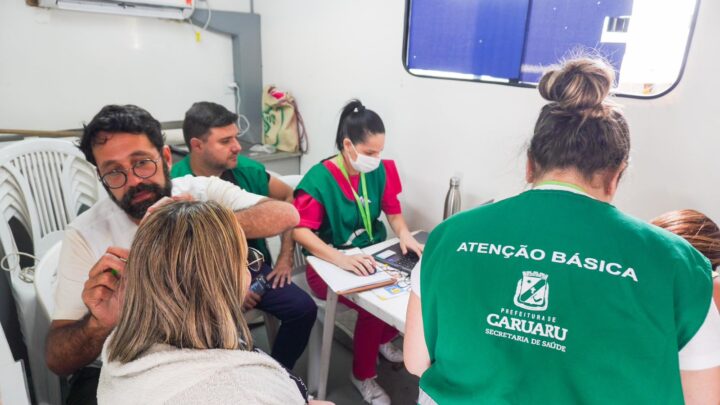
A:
(207, 22)
(242, 122)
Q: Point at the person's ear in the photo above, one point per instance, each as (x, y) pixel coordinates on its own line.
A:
(195, 144)
(167, 156)
(611, 186)
(348, 148)
(529, 170)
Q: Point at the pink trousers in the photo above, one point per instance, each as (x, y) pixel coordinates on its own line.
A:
(370, 332)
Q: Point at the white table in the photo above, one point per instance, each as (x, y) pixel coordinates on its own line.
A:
(391, 311)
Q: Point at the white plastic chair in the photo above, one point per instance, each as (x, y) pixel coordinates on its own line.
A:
(32, 319)
(6, 356)
(46, 279)
(13, 386)
(291, 180)
(44, 185)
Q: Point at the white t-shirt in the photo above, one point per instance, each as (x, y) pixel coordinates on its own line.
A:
(700, 353)
(105, 224)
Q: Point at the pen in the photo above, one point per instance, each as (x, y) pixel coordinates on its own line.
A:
(115, 272)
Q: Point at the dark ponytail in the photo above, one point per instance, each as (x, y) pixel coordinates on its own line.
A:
(580, 128)
(357, 123)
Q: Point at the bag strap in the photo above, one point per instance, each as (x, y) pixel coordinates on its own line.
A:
(302, 134)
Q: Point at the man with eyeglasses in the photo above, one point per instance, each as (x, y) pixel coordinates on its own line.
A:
(126, 145)
(210, 131)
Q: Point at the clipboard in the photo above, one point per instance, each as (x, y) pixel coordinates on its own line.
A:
(343, 282)
(368, 287)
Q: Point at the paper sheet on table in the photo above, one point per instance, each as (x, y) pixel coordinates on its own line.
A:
(345, 282)
(391, 291)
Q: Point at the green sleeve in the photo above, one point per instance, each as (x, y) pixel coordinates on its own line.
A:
(310, 183)
(251, 175)
(181, 168)
(245, 162)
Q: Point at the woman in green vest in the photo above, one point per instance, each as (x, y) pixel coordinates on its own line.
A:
(340, 201)
(554, 296)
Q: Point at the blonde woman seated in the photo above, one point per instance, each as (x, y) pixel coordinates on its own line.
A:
(181, 337)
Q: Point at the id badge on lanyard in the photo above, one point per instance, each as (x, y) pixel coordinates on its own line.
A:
(362, 202)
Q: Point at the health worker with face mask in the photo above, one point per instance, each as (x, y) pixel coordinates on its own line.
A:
(340, 201)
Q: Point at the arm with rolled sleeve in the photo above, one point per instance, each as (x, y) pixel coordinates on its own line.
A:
(311, 213)
(392, 209)
(415, 351)
(74, 340)
(283, 267)
(259, 216)
(76, 259)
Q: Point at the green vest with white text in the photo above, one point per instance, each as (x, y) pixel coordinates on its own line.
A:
(552, 297)
(342, 226)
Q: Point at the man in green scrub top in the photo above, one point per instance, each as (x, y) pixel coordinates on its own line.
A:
(211, 132)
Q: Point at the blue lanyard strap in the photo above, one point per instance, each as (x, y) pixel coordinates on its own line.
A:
(362, 203)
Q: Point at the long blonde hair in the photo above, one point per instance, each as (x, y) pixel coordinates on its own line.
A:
(184, 283)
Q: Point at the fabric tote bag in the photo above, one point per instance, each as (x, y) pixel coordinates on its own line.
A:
(283, 125)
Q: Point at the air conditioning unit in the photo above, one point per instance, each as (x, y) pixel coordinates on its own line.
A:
(174, 9)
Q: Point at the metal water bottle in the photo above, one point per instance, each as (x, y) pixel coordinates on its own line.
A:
(452, 199)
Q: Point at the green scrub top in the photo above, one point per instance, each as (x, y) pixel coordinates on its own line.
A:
(553, 297)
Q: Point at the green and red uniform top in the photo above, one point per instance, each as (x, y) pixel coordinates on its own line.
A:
(327, 205)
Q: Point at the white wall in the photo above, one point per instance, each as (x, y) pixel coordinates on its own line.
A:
(58, 68)
(326, 52)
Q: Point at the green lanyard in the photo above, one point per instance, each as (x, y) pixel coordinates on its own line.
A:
(562, 184)
(362, 203)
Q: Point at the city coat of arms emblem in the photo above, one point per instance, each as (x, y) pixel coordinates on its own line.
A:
(532, 291)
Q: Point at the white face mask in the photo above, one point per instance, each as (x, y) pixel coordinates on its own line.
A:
(364, 163)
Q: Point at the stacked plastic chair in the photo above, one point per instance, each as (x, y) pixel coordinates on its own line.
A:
(44, 185)
(13, 387)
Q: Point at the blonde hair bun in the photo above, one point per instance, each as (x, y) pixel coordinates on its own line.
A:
(580, 86)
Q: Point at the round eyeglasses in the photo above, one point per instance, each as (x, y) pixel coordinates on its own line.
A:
(143, 169)
(402, 279)
(255, 260)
